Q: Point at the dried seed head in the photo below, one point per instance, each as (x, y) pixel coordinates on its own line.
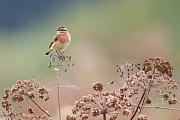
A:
(172, 101)
(113, 117)
(165, 96)
(126, 112)
(70, 117)
(148, 100)
(128, 68)
(84, 116)
(30, 110)
(95, 112)
(21, 90)
(158, 64)
(142, 117)
(98, 86)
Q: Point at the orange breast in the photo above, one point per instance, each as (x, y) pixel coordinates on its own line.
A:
(64, 38)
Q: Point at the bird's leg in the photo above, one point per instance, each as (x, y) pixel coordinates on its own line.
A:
(61, 55)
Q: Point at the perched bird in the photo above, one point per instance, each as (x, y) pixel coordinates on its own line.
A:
(60, 41)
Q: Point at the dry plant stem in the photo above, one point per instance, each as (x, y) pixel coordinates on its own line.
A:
(59, 104)
(11, 117)
(157, 107)
(143, 103)
(96, 105)
(143, 95)
(104, 110)
(101, 99)
(104, 116)
(40, 107)
(147, 94)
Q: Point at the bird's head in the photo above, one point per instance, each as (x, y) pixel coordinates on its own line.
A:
(61, 29)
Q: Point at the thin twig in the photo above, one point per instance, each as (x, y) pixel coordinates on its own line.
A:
(95, 104)
(11, 117)
(146, 96)
(104, 116)
(138, 105)
(40, 107)
(104, 109)
(59, 104)
(158, 107)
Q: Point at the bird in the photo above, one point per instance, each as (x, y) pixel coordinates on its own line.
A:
(60, 41)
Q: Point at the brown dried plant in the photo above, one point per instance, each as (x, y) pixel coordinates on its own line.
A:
(30, 89)
(25, 90)
(107, 104)
(63, 62)
(60, 60)
(154, 77)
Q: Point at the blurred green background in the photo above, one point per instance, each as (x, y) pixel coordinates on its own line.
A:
(103, 32)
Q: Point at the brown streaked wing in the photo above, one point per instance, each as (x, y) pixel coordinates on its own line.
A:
(54, 40)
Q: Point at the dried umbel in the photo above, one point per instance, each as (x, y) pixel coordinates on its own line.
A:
(23, 90)
(155, 77)
(61, 60)
(102, 103)
(98, 86)
(158, 65)
(128, 68)
(30, 110)
(70, 117)
(142, 117)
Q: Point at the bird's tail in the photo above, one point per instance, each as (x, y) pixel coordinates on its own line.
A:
(48, 52)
